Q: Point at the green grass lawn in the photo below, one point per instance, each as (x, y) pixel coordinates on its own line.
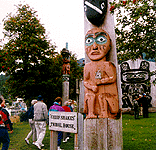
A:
(137, 135)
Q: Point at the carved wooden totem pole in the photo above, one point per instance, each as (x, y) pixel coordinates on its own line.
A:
(103, 124)
(66, 62)
(101, 95)
(66, 74)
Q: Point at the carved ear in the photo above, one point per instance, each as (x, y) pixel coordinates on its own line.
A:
(144, 65)
(124, 67)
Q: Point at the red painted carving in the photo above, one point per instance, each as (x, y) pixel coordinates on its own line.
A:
(66, 61)
(101, 95)
(66, 66)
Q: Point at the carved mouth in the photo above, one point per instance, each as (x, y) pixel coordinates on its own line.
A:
(95, 53)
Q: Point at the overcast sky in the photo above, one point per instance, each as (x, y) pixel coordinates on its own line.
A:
(63, 19)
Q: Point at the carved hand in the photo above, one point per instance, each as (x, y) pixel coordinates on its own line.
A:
(94, 88)
(106, 80)
(98, 82)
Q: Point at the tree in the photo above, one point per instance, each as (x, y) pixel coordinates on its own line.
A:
(76, 72)
(30, 59)
(26, 51)
(135, 28)
(3, 88)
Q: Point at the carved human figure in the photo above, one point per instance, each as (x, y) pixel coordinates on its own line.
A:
(66, 66)
(101, 95)
(66, 61)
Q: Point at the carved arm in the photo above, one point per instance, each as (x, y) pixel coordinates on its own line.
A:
(90, 87)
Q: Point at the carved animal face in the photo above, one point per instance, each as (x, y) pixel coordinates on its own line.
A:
(97, 43)
(95, 11)
(135, 75)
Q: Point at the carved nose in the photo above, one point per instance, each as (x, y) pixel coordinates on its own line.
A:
(95, 47)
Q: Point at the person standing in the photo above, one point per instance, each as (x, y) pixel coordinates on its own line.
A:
(69, 105)
(5, 125)
(5, 110)
(140, 105)
(145, 106)
(30, 114)
(40, 118)
(136, 108)
(57, 107)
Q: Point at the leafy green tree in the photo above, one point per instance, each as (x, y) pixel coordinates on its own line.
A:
(50, 79)
(30, 59)
(26, 52)
(135, 28)
(3, 88)
(76, 72)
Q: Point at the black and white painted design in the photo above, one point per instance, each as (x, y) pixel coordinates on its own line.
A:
(135, 75)
(133, 82)
(95, 11)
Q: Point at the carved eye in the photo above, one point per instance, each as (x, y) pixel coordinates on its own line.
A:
(101, 40)
(89, 41)
(102, 5)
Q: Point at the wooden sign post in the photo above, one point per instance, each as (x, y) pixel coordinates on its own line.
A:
(65, 122)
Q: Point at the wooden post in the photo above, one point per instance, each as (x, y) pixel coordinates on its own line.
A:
(76, 142)
(80, 132)
(81, 97)
(66, 70)
(65, 93)
(104, 134)
(53, 140)
(95, 134)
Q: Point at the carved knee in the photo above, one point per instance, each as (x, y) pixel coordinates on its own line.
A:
(114, 107)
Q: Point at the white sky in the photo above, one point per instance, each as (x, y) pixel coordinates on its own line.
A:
(63, 19)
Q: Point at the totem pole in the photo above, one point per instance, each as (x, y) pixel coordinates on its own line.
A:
(103, 124)
(66, 73)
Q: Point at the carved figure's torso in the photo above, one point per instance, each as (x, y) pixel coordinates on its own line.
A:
(107, 70)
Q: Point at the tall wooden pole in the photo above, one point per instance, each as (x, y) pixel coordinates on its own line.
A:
(104, 133)
(66, 71)
(65, 91)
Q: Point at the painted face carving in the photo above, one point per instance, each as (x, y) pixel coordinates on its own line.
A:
(95, 11)
(97, 43)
